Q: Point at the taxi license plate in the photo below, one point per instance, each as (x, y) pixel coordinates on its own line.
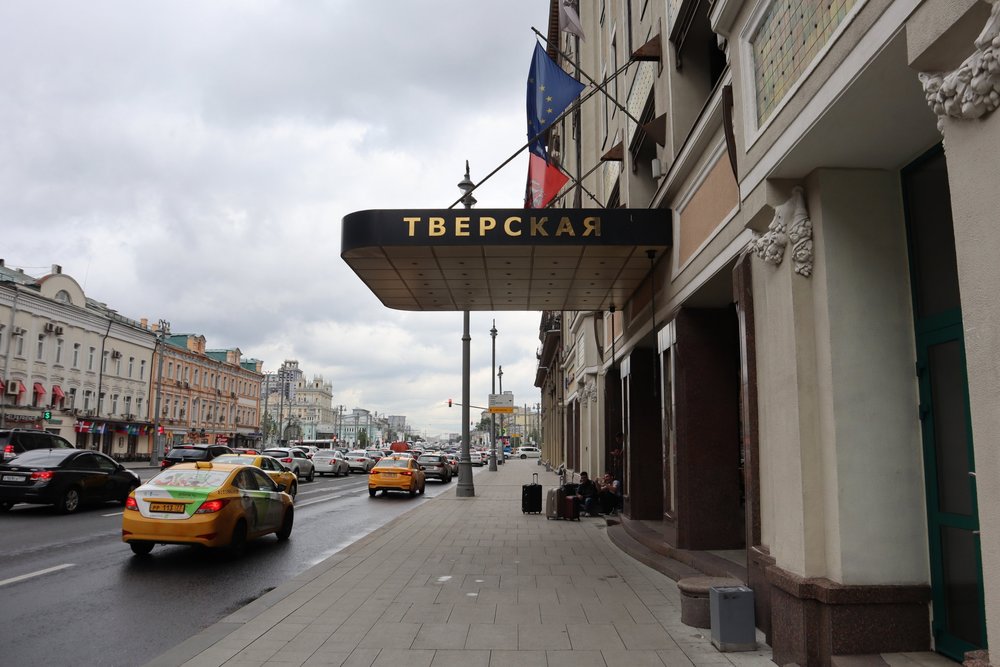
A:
(13, 478)
(172, 508)
(388, 474)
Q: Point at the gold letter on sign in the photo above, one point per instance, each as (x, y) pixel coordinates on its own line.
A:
(435, 227)
(413, 223)
(592, 226)
(508, 228)
(486, 224)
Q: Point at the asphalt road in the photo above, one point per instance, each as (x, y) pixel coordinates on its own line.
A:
(72, 593)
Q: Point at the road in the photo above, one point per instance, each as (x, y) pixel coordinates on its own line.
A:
(73, 594)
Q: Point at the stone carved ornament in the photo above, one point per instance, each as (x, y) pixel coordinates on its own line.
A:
(791, 223)
(972, 90)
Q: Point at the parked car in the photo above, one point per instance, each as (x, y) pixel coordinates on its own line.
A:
(209, 504)
(65, 477)
(397, 473)
(435, 467)
(19, 440)
(359, 461)
(476, 458)
(193, 452)
(286, 480)
(295, 460)
(330, 461)
(527, 452)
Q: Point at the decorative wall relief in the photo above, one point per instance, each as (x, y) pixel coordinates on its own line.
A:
(791, 223)
(972, 90)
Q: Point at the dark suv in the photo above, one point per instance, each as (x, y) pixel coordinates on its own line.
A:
(191, 453)
(19, 440)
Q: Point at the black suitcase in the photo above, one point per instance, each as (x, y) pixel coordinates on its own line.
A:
(531, 496)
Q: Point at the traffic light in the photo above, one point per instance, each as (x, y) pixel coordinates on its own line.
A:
(47, 415)
(449, 402)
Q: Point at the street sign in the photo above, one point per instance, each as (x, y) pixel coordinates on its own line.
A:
(502, 403)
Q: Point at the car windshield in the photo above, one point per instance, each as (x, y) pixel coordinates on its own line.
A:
(41, 457)
(190, 479)
(235, 458)
(393, 463)
(186, 453)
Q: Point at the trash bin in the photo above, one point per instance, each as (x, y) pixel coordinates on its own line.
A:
(731, 610)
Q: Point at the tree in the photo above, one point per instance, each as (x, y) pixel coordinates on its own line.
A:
(362, 439)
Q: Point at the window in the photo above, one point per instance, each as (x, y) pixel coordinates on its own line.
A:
(86, 398)
(138, 406)
(20, 346)
(142, 369)
(114, 404)
(41, 347)
(118, 366)
(170, 369)
(71, 398)
(131, 365)
(104, 362)
(59, 349)
(90, 359)
(76, 355)
(128, 405)
(63, 296)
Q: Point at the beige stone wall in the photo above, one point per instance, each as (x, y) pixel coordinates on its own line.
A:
(712, 202)
(972, 149)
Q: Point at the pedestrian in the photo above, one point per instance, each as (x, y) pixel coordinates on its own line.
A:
(609, 493)
(586, 494)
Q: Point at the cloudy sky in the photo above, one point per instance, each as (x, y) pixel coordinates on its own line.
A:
(191, 161)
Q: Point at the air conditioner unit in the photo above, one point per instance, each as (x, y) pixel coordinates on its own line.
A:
(49, 327)
(178, 382)
(18, 331)
(59, 331)
(115, 354)
(232, 394)
(89, 413)
(187, 385)
(13, 388)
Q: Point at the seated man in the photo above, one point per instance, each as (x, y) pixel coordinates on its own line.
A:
(586, 494)
(609, 493)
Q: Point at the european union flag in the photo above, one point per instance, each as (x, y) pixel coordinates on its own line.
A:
(550, 91)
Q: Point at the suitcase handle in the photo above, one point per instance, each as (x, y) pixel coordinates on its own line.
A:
(534, 478)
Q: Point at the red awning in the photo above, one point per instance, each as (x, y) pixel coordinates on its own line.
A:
(39, 389)
(3, 387)
(58, 392)
(20, 387)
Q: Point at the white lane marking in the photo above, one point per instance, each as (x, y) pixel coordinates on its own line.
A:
(443, 578)
(115, 513)
(325, 498)
(35, 574)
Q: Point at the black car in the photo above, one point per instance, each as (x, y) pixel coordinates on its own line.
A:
(192, 453)
(65, 478)
(19, 440)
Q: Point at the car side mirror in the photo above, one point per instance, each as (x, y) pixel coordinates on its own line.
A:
(423, 468)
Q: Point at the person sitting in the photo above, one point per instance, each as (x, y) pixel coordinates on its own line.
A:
(586, 494)
(609, 493)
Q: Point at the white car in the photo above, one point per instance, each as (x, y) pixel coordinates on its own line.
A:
(359, 461)
(476, 458)
(527, 452)
(329, 461)
(295, 460)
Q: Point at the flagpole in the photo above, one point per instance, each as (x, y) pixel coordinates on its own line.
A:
(589, 78)
(572, 107)
(579, 184)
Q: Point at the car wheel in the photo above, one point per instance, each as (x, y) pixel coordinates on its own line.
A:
(524, 456)
(286, 525)
(422, 487)
(238, 541)
(69, 501)
(293, 488)
(141, 548)
(413, 492)
(311, 476)
(371, 492)
(5, 506)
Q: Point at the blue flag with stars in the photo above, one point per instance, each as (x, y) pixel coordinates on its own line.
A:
(550, 91)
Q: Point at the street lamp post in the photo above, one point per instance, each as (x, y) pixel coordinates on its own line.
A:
(465, 488)
(493, 389)
(500, 378)
(162, 331)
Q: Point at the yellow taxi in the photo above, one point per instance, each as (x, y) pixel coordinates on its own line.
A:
(206, 503)
(396, 473)
(281, 475)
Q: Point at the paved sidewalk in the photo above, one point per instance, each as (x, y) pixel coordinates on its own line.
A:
(469, 582)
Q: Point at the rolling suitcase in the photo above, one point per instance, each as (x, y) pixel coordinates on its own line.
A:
(531, 497)
(570, 509)
(553, 499)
